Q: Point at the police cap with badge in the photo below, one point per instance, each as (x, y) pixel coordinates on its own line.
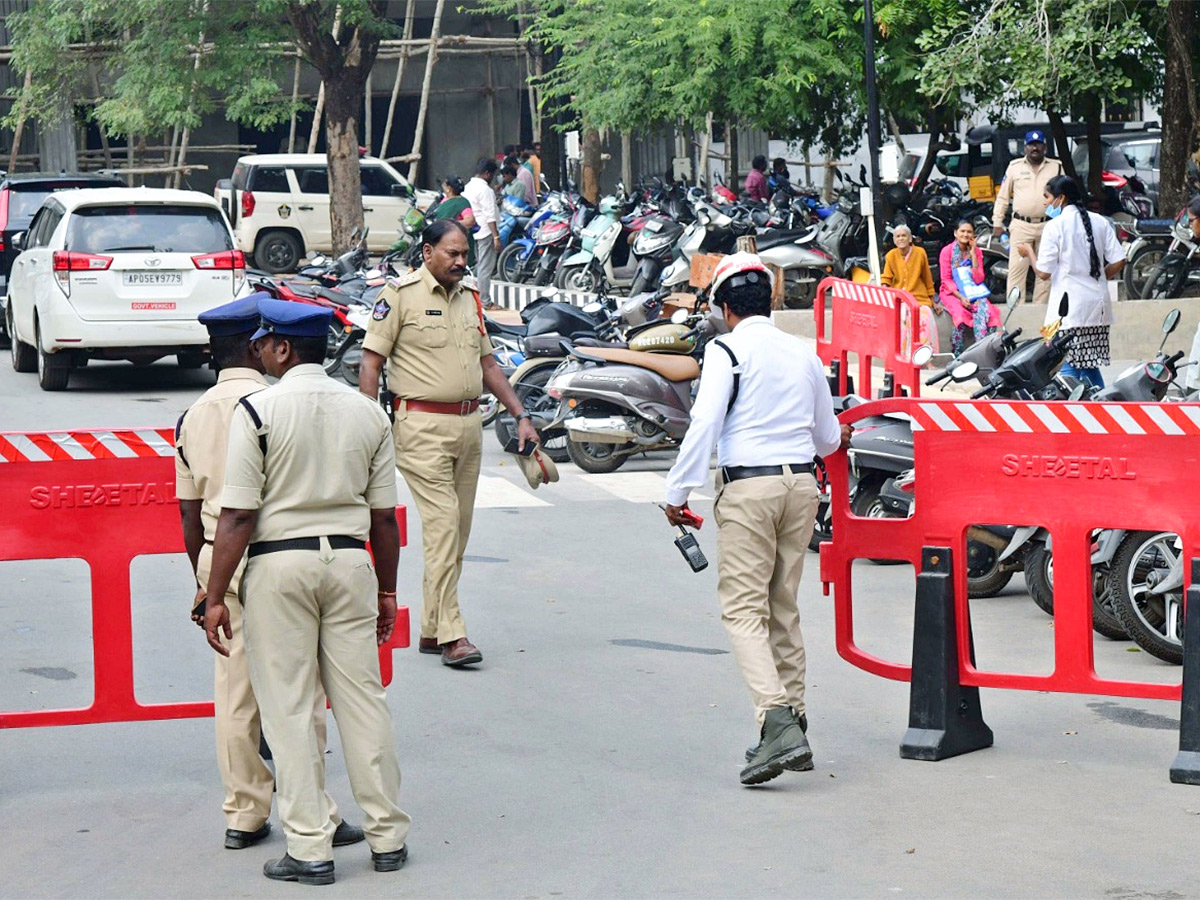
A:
(287, 318)
(230, 319)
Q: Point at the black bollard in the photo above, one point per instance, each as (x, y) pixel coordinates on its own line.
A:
(1186, 767)
(944, 716)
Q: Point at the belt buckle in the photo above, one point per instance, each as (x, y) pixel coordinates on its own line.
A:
(464, 408)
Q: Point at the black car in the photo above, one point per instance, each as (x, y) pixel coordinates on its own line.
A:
(21, 196)
(1125, 155)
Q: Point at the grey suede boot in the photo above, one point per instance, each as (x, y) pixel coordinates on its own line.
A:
(806, 766)
(783, 745)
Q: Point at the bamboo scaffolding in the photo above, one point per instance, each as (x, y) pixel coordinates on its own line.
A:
(402, 61)
(430, 61)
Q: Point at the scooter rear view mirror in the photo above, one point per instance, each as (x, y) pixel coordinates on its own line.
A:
(922, 355)
(1171, 321)
(1064, 306)
(964, 370)
(594, 307)
(1014, 297)
(679, 317)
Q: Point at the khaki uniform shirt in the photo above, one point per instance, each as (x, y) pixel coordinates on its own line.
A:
(432, 339)
(201, 440)
(1023, 187)
(329, 459)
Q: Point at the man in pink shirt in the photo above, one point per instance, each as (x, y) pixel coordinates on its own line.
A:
(756, 181)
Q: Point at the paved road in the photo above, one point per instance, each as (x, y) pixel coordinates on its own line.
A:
(595, 754)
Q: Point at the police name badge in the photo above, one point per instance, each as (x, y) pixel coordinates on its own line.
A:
(381, 310)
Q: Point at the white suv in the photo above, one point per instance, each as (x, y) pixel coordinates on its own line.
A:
(279, 206)
(119, 273)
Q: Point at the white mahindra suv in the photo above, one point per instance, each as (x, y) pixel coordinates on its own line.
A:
(279, 206)
(119, 273)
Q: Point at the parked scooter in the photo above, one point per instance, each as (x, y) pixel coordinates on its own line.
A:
(616, 402)
(603, 254)
(1178, 267)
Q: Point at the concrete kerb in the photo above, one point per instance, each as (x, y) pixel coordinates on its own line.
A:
(506, 295)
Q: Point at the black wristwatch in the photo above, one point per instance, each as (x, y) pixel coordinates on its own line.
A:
(524, 415)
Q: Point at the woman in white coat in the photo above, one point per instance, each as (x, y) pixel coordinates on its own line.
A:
(1079, 254)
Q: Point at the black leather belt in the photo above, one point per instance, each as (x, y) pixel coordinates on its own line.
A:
(1032, 220)
(737, 473)
(336, 542)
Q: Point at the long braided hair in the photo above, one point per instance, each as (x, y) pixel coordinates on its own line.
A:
(1068, 187)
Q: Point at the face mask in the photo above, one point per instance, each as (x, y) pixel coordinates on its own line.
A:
(1053, 212)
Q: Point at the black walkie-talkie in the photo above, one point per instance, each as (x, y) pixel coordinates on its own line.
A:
(387, 399)
(690, 548)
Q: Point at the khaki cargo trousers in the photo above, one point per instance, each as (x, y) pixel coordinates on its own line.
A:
(765, 524)
(1018, 266)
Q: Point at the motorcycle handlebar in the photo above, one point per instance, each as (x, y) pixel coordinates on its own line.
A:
(982, 392)
(940, 376)
(1174, 358)
(1014, 335)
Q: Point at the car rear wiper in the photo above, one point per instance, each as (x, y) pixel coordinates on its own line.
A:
(133, 247)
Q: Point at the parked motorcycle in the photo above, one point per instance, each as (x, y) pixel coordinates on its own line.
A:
(1179, 268)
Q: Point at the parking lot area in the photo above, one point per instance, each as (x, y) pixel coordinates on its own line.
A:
(595, 752)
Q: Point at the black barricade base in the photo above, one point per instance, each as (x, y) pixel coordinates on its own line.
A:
(944, 716)
(1186, 767)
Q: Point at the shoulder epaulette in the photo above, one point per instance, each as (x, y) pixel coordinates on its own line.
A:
(470, 283)
(399, 281)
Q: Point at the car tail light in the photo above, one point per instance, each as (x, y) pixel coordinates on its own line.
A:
(247, 204)
(3, 218)
(225, 260)
(64, 263)
(1113, 180)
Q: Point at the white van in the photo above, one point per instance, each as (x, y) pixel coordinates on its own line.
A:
(278, 205)
(896, 166)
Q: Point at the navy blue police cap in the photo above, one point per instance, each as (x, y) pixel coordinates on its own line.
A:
(239, 317)
(1035, 137)
(289, 319)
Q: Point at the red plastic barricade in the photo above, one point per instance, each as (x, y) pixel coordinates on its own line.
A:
(106, 497)
(1069, 467)
(867, 320)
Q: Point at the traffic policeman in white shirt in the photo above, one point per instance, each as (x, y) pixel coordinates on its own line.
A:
(765, 404)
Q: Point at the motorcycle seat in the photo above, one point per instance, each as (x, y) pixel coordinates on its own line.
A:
(494, 327)
(769, 239)
(673, 367)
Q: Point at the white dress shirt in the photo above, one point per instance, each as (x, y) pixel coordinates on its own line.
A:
(483, 205)
(783, 412)
(1066, 255)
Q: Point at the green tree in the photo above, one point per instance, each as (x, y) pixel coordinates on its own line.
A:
(1060, 55)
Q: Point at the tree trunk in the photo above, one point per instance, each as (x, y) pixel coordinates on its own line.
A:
(1058, 132)
(933, 120)
(827, 187)
(589, 178)
(343, 97)
(894, 128)
(627, 159)
(1178, 107)
(1092, 111)
(702, 178)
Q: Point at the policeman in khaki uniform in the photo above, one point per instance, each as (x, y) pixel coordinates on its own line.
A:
(1023, 184)
(310, 476)
(428, 328)
(201, 439)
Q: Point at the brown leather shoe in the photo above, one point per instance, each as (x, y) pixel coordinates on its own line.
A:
(460, 653)
(428, 645)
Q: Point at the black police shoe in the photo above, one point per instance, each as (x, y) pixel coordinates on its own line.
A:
(347, 834)
(240, 840)
(288, 869)
(391, 861)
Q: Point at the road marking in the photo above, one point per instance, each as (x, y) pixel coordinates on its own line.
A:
(634, 487)
(496, 493)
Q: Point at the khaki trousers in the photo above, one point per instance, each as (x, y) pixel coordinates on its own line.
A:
(248, 782)
(439, 456)
(1018, 266)
(765, 524)
(310, 620)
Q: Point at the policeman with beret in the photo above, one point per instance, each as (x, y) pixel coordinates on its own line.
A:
(201, 439)
(1022, 187)
(310, 476)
